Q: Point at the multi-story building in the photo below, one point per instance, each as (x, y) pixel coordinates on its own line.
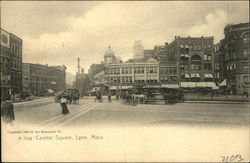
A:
(126, 74)
(37, 78)
(194, 58)
(237, 57)
(11, 64)
(138, 50)
(161, 53)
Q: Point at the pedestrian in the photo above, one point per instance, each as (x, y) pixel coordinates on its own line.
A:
(7, 112)
(63, 102)
(109, 97)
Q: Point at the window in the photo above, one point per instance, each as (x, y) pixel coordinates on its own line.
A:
(151, 70)
(233, 53)
(245, 67)
(245, 78)
(197, 67)
(182, 46)
(209, 57)
(199, 47)
(205, 57)
(245, 53)
(191, 47)
(192, 67)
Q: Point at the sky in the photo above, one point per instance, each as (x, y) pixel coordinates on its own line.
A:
(58, 32)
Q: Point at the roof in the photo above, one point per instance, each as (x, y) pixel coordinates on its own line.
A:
(109, 53)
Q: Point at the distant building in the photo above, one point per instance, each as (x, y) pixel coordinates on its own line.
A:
(138, 50)
(37, 78)
(124, 75)
(149, 53)
(11, 64)
(82, 80)
(161, 53)
(109, 56)
(237, 57)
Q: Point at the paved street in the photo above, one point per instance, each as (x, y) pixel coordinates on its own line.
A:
(48, 113)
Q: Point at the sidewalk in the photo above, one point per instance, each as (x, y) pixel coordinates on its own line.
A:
(34, 101)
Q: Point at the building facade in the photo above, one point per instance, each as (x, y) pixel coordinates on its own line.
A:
(125, 74)
(138, 50)
(193, 57)
(11, 64)
(38, 78)
(237, 58)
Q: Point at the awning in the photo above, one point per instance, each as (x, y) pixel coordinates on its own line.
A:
(53, 82)
(201, 84)
(151, 86)
(212, 85)
(50, 90)
(192, 75)
(126, 87)
(184, 84)
(208, 75)
(187, 76)
(192, 84)
(186, 55)
(182, 55)
(223, 83)
(170, 86)
(113, 87)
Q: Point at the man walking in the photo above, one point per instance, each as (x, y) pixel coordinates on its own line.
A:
(7, 112)
(109, 97)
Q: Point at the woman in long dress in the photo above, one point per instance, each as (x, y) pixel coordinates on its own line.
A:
(65, 109)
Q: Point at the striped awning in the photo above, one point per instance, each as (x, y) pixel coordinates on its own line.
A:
(201, 84)
(151, 86)
(208, 75)
(187, 76)
(170, 86)
(212, 85)
(192, 75)
(184, 84)
(192, 84)
(126, 87)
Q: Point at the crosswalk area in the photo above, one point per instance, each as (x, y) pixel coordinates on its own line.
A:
(74, 113)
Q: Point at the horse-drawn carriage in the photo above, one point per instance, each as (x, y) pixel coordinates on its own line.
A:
(72, 95)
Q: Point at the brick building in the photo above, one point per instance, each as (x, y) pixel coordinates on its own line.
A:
(11, 64)
(194, 58)
(37, 78)
(237, 57)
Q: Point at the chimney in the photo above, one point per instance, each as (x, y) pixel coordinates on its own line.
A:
(175, 37)
(166, 43)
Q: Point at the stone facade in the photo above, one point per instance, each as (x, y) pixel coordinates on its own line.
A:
(237, 58)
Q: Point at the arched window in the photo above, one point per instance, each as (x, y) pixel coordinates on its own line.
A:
(196, 58)
(245, 37)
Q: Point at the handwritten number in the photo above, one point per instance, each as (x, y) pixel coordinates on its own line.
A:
(232, 158)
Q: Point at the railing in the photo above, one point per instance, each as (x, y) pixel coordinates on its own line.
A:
(213, 97)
